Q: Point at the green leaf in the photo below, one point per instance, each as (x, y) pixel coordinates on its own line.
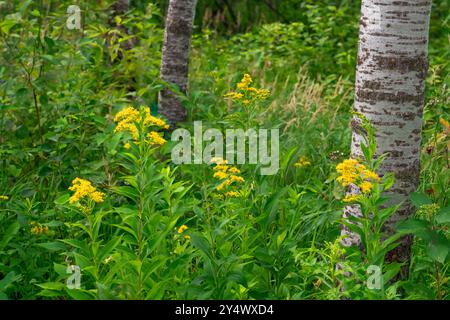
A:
(443, 216)
(9, 234)
(202, 244)
(281, 238)
(108, 248)
(438, 251)
(52, 246)
(52, 285)
(418, 227)
(80, 294)
(8, 280)
(62, 199)
(127, 192)
(419, 199)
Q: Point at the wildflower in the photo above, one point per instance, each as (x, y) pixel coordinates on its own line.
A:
(4, 198)
(155, 139)
(151, 120)
(221, 167)
(245, 82)
(130, 127)
(220, 175)
(84, 190)
(302, 162)
(427, 211)
(232, 194)
(182, 229)
(129, 114)
(228, 174)
(262, 94)
(218, 161)
(234, 178)
(366, 186)
(234, 170)
(348, 172)
(127, 146)
(353, 172)
(369, 175)
(130, 118)
(38, 229)
(351, 198)
(221, 186)
(234, 96)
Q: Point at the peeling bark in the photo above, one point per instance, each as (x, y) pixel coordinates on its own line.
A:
(390, 84)
(175, 57)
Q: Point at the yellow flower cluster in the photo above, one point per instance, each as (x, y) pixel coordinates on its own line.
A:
(133, 121)
(353, 172)
(84, 189)
(4, 198)
(38, 229)
(155, 139)
(248, 94)
(182, 229)
(351, 198)
(302, 162)
(228, 174)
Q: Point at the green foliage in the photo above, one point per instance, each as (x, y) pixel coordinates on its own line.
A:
(60, 90)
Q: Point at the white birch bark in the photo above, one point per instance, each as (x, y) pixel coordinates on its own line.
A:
(175, 57)
(390, 83)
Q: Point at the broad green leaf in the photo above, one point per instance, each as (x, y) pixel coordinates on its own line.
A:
(419, 199)
(9, 234)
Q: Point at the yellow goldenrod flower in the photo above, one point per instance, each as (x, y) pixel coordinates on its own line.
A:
(262, 94)
(151, 120)
(84, 190)
(129, 127)
(245, 82)
(182, 229)
(302, 162)
(129, 119)
(38, 229)
(353, 172)
(129, 114)
(232, 194)
(218, 161)
(220, 175)
(221, 186)
(4, 198)
(234, 96)
(366, 186)
(352, 198)
(155, 139)
(369, 175)
(234, 178)
(127, 146)
(221, 167)
(234, 170)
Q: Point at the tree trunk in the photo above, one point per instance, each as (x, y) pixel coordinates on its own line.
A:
(390, 84)
(175, 57)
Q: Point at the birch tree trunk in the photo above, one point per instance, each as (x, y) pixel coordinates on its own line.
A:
(175, 57)
(390, 83)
